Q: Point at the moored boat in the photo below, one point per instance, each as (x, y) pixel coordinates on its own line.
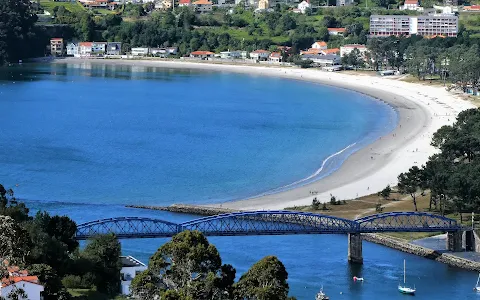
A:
(405, 289)
(321, 295)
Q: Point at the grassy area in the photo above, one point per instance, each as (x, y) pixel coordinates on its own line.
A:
(471, 21)
(364, 206)
(73, 7)
(91, 294)
(241, 33)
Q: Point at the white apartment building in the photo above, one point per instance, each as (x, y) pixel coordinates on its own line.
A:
(140, 51)
(387, 25)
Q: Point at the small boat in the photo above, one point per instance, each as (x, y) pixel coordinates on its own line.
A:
(477, 287)
(405, 289)
(355, 278)
(321, 295)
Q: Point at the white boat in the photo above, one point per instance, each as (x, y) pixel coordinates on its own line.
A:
(321, 295)
(477, 288)
(355, 278)
(405, 289)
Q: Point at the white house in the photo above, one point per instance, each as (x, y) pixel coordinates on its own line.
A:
(321, 45)
(336, 31)
(99, 48)
(303, 6)
(233, 54)
(260, 54)
(19, 279)
(85, 48)
(72, 50)
(411, 5)
(130, 268)
(346, 49)
(140, 51)
(275, 57)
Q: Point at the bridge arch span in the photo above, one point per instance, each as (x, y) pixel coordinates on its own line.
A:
(128, 227)
(269, 223)
(406, 222)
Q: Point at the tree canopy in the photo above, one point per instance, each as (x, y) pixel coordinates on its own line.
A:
(189, 267)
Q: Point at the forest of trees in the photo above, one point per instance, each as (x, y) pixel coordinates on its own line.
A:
(45, 246)
(451, 175)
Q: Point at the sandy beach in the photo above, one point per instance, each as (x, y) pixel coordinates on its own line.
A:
(422, 110)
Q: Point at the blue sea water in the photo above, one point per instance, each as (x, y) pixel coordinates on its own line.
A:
(84, 139)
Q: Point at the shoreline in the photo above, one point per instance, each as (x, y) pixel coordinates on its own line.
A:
(421, 110)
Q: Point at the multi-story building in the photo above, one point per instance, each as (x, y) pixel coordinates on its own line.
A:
(387, 25)
(85, 49)
(445, 25)
(56, 46)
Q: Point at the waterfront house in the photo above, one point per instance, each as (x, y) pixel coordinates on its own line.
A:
(20, 279)
(323, 60)
(202, 54)
(172, 50)
(85, 49)
(183, 3)
(140, 51)
(321, 45)
(336, 31)
(131, 267)
(99, 48)
(72, 50)
(346, 49)
(203, 6)
(236, 54)
(56, 47)
(275, 57)
(114, 48)
(260, 55)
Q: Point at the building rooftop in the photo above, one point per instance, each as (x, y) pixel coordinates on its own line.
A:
(359, 46)
(130, 261)
(337, 29)
(202, 2)
(202, 53)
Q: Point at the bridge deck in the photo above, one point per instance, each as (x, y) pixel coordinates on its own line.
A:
(269, 223)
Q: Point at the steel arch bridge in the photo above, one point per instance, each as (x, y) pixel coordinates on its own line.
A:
(268, 223)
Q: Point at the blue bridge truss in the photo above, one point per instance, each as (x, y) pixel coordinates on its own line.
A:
(269, 223)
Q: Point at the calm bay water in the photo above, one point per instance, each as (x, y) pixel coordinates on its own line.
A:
(83, 140)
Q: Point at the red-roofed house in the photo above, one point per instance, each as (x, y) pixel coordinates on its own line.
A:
(184, 3)
(330, 51)
(319, 45)
(85, 48)
(411, 5)
(336, 31)
(202, 54)
(19, 279)
(203, 6)
(472, 8)
(260, 54)
(303, 6)
(275, 57)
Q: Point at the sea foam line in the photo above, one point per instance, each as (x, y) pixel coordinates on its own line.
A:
(316, 172)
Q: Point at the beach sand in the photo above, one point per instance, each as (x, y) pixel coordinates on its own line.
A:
(422, 110)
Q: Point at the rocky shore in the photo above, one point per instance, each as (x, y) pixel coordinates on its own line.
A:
(189, 209)
(407, 247)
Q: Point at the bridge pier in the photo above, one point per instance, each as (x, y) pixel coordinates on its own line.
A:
(469, 240)
(355, 248)
(454, 241)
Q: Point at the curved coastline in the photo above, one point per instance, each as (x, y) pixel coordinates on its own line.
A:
(421, 110)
